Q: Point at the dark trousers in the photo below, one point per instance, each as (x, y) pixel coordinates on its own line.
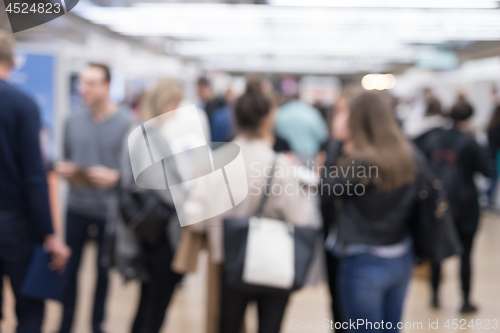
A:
(465, 266)
(270, 308)
(332, 265)
(15, 257)
(157, 292)
(77, 226)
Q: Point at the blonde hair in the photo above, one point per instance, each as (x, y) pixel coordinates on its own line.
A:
(6, 48)
(163, 93)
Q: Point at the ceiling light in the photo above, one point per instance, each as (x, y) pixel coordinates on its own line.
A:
(378, 81)
(461, 4)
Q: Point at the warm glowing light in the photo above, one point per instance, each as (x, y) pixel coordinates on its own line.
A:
(368, 82)
(392, 81)
(378, 81)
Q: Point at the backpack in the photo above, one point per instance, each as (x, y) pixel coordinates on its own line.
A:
(145, 214)
(443, 155)
(433, 230)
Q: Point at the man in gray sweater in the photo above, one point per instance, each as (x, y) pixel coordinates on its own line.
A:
(92, 148)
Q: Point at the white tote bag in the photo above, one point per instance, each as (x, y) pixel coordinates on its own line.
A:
(270, 256)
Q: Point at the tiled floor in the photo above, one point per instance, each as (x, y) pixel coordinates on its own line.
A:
(309, 305)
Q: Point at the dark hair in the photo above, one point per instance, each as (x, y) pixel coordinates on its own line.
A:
(251, 107)
(203, 81)
(495, 117)
(434, 107)
(105, 70)
(462, 110)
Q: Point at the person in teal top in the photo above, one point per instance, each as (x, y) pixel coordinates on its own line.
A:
(303, 127)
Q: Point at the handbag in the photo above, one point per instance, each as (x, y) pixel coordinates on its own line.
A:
(264, 254)
(145, 214)
(432, 226)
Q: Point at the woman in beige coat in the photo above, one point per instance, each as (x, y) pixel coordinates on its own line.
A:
(255, 119)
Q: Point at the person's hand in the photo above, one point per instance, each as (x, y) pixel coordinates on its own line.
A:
(293, 158)
(65, 169)
(348, 146)
(59, 251)
(102, 177)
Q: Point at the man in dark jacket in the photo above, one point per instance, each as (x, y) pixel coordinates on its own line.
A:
(456, 157)
(24, 202)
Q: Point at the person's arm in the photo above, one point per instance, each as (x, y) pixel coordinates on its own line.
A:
(320, 129)
(66, 142)
(103, 177)
(333, 152)
(293, 202)
(494, 141)
(479, 159)
(66, 168)
(33, 171)
(35, 183)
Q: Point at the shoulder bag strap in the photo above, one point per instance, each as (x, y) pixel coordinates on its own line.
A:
(263, 200)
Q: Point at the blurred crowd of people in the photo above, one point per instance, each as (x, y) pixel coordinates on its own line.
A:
(370, 242)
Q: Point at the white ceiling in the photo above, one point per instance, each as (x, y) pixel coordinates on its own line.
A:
(317, 36)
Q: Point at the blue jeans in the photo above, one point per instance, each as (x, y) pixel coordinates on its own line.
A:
(16, 250)
(76, 235)
(373, 289)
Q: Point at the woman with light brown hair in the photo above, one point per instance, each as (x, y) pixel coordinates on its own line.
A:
(371, 168)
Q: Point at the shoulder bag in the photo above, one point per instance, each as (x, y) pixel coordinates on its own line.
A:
(264, 254)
